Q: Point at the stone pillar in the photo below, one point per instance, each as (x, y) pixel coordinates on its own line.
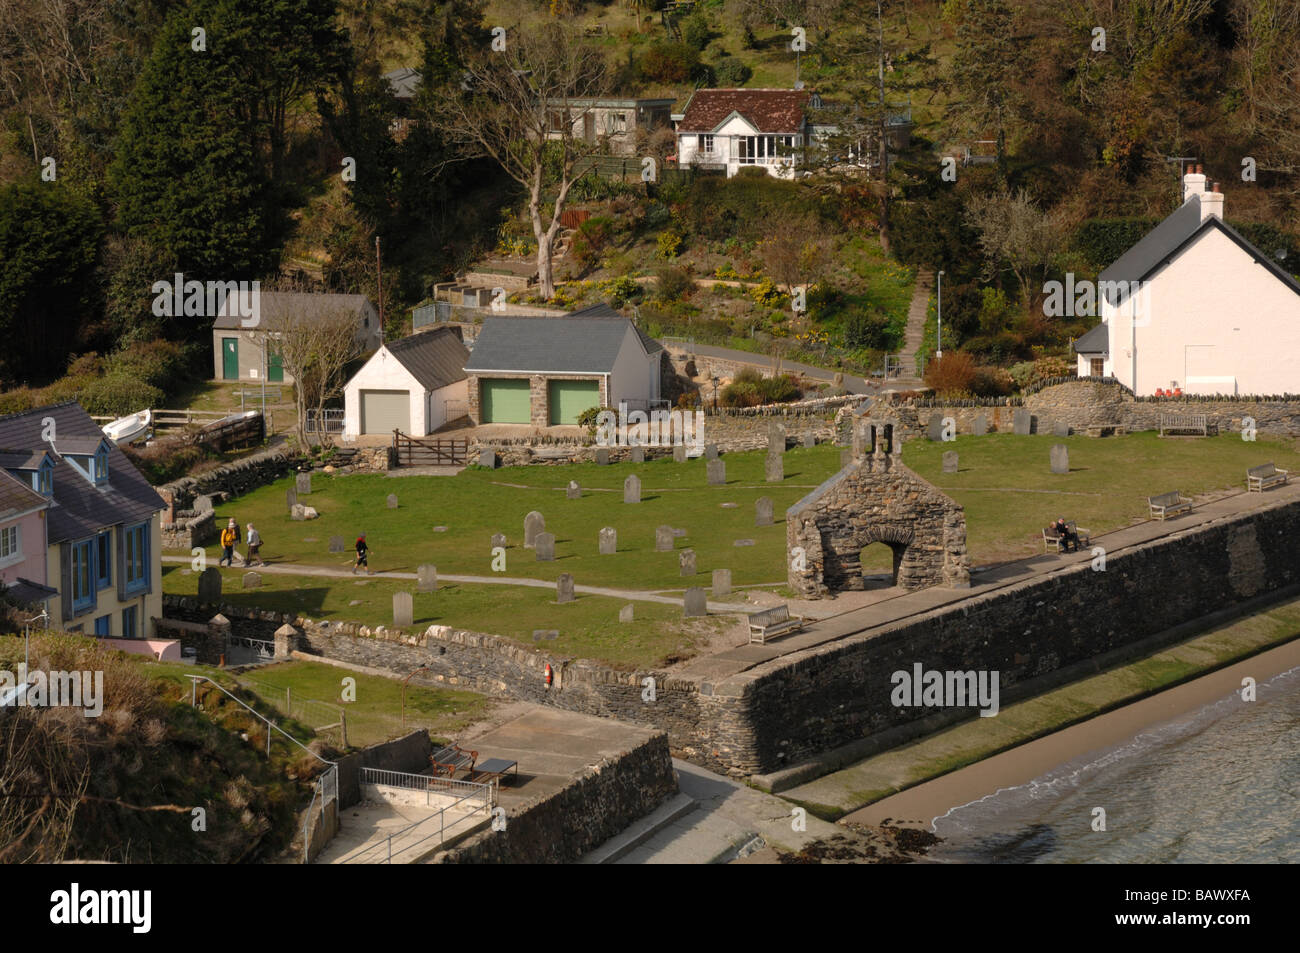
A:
(217, 644)
(286, 642)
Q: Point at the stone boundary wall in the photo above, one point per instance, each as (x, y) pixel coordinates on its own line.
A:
(410, 753)
(581, 816)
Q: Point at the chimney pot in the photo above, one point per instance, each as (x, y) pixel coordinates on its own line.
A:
(1216, 186)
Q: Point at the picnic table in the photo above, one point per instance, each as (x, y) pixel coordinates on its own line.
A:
(494, 769)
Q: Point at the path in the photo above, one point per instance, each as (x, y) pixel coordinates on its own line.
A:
(853, 385)
(914, 333)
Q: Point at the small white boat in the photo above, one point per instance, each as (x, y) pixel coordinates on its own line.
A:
(129, 428)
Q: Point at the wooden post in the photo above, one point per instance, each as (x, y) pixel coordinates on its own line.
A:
(343, 727)
(288, 701)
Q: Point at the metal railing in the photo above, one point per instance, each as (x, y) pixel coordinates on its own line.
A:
(470, 797)
(330, 420)
(431, 785)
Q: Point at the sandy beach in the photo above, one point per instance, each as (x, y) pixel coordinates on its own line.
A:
(918, 806)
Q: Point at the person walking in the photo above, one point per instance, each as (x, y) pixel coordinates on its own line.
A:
(254, 545)
(229, 537)
(363, 554)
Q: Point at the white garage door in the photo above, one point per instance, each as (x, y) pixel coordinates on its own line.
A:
(383, 411)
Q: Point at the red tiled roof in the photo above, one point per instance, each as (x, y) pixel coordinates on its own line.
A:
(767, 110)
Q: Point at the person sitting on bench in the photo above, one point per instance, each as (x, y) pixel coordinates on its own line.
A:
(1069, 539)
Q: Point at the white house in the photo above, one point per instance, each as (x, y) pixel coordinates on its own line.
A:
(733, 128)
(1196, 306)
(414, 385)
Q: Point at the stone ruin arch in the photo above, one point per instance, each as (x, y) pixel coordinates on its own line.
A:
(876, 499)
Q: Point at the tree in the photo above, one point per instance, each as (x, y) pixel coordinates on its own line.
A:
(985, 70)
(797, 253)
(1016, 235)
(315, 348)
(520, 111)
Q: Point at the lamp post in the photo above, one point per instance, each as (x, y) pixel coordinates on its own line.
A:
(27, 634)
(714, 381)
(938, 352)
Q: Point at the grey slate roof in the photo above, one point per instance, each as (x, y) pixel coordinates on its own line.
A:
(273, 303)
(404, 81)
(82, 509)
(435, 358)
(1096, 341)
(603, 310)
(24, 592)
(17, 497)
(584, 342)
(23, 459)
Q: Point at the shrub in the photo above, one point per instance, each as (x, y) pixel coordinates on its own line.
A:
(866, 329)
(166, 460)
(17, 400)
(951, 375)
(766, 293)
(588, 417)
(669, 62)
(118, 394)
(731, 71)
(1028, 373)
(670, 244)
(157, 363)
(621, 290)
(740, 393)
(673, 283)
(695, 31)
(992, 382)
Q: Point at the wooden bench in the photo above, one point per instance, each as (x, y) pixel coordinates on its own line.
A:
(1188, 424)
(1053, 539)
(1260, 478)
(1168, 504)
(773, 623)
(452, 758)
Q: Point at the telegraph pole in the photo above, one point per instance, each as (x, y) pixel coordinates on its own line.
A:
(379, 274)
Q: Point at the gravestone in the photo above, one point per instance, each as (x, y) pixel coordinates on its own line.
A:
(632, 489)
(252, 580)
(290, 498)
(336, 544)
(664, 539)
(403, 609)
(498, 539)
(710, 451)
(487, 458)
(625, 613)
(775, 437)
(763, 511)
(602, 457)
(297, 512)
(679, 453)
(695, 603)
(950, 462)
(545, 547)
(743, 542)
(721, 583)
(774, 468)
(574, 492)
(686, 562)
(303, 484)
(678, 532)
(564, 588)
(1061, 429)
(608, 541)
(1060, 458)
(638, 455)
(717, 472)
(534, 523)
(980, 426)
(203, 504)
(1021, 421)
(548, 634)
(934, 430)
(392, 501)
(809, 440)
(428, 578)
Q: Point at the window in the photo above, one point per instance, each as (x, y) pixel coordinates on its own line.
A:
(104, 559)
(1097, 368)
(45, 481)
(10, 547)
(83, 574)
(101, 466)
(705, 143)
(103, 625)
(135, 559)
(128, 623)
(616, 122)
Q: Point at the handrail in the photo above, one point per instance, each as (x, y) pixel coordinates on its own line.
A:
(194, 684)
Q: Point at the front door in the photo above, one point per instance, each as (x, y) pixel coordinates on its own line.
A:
(274, 367)
(230, 359)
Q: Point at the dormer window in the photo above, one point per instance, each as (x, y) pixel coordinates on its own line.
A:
(44, 479)
(101, 466)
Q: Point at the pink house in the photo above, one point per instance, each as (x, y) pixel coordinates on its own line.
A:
(23, 542)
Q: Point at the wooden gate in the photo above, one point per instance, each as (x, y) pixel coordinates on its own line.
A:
(411, 451)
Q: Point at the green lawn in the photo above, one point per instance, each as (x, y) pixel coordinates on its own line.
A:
(588, 627)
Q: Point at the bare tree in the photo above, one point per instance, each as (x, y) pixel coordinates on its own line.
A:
(315, 347)
(1016, 235)
(523, 107)
(797, 253)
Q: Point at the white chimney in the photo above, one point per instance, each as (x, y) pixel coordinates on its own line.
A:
(1193, 183)
(1212, 204)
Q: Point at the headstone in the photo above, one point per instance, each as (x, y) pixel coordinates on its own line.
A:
(679, 453)
(548, 634)
(545, 547)
(717, 472)
(252, 580)
(309, 513)
(743, 542)
(846, 457)
(498, 539)
(534, 523)
(303, 484)
(564, 588)
(487, 458)
(686, 561)
(625, 613)
(774, 468)
(775, 437)
(290, 497)
(1020, 422)
(980, 426)
(574, 492)
(809, 440)
(1061, 428)
(710, 451)
(440, 529)
(392, 501)
(678, 532)
(1060, 458)
(763, 511)
(950, 462)
(428, 578)
(695, 603)
(203, 504)
(608, 541)
(721, 583)
(336, 544)
(297, 512)
(638, 454)
(403, 609)
(602, 457)
(934, 430)
(664, 539)
(632, 489)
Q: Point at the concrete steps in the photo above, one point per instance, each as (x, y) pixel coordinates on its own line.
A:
(640, 832)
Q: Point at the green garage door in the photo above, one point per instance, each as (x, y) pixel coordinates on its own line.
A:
(383, 411)
(570, 398)
(505, 401)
